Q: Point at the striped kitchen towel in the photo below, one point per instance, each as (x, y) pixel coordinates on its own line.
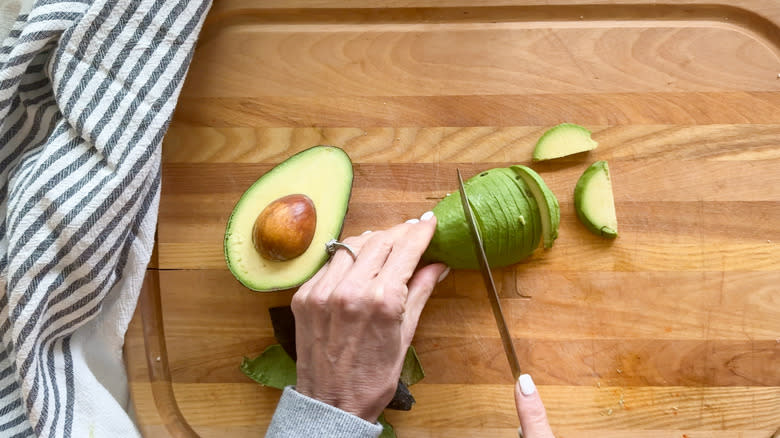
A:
(87, 90)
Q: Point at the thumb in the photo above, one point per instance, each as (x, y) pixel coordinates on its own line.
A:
(420, 288)
(533, 417)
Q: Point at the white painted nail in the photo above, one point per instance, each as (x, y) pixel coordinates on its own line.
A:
(366, 232)
(443, 275)
(413, 221)
(527, 386)
(426, 216)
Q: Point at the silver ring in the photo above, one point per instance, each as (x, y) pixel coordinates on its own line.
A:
(334, 245)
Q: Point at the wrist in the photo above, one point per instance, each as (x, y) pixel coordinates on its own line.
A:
(358, 403)
(302, 416)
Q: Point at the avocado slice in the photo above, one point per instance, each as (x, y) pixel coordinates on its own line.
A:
(275, 238)
(594, 201)
(562, 140)
(507, 215)
(549, 210)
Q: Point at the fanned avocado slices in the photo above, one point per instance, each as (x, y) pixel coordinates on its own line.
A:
(508, 215)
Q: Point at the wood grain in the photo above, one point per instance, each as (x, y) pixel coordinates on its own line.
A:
(602, 332)
(389, 59)
(491, 407)
(731, 142)
(672, 180)
(672, 330)
(498, 110)
(740, 306)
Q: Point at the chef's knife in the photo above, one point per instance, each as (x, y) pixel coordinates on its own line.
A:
(490, 285)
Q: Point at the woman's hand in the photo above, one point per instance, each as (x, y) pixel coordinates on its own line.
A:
(533, 417)
(356, 318)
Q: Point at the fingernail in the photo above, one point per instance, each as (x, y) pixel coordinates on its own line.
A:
(413, 221)
(527, 386)
(426, 216)
(365, 232)
(443, 275)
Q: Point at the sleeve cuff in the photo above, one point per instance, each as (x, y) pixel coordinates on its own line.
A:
(300, 416)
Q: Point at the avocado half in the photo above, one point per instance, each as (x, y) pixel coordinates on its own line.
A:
(507, 214)
(323, 174)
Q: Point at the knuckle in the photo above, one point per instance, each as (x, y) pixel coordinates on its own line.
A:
(388, 305)
(317, 299)
(319, 302)
(341, 298)
(391, 309)
(349, 298)
(383, 242)
(298, 301)
(348, 305)
(296, 304)
(395, 290)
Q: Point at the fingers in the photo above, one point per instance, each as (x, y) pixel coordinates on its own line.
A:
(420, 288)
(354, 288)
(303, 291)
(339, 265)
(373, 255)
(409, 246)
(392, 255)
(533, 417)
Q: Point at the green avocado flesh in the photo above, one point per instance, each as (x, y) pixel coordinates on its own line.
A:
(549, 210)
(562, 140)
(324, 175)
(507, 214)
(594, 201)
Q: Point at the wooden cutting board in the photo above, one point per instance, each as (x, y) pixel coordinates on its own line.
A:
(672, 330)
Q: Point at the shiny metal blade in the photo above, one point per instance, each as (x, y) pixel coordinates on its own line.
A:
(495, 304)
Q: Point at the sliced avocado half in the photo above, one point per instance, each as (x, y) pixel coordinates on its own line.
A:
(275, 238)
(549, 210)
(594, 201)
(562, 140)
(507, 215)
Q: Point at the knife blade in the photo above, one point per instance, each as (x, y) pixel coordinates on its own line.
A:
(490, 285)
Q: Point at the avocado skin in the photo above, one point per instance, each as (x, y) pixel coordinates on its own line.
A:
(498, 198)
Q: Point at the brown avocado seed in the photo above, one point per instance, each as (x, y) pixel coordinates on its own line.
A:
(285, 228)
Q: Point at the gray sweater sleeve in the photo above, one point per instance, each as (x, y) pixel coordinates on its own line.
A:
(299, 416)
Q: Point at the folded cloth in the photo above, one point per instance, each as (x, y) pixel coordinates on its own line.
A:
(9, 10)
(87, 90)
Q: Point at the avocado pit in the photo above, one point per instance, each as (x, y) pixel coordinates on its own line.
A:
(285, 228)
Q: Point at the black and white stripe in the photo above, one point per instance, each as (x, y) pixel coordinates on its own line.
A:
(87, 90)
